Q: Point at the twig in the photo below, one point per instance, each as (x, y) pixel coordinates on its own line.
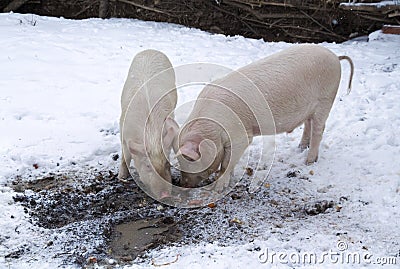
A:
(154, 226)
(276, 22)
(83, 10)
(373, 18)
(297, 36)
(277, 4)
(263, 3)
(14, 5)
(323, 27)
(251, 28)
(164, 264)
(293, 27)
(394, 14)
(261, 16)
(144, 7)
(236, 16)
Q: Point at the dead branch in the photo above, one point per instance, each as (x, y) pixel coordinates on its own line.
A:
(83, 10)
(14, 5)
(260, 4)
(373, 18)
(145, 7)
(323, 27)
(261, 16)
(296, 27)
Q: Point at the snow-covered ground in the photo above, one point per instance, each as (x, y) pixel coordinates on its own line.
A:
(60, 84)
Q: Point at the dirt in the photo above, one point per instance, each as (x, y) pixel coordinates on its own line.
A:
(103, 205)
(94, 217)
(318, 207)
(133, 238)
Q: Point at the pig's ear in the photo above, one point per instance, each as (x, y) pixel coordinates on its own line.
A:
(190, 150)
(170, 131)
(135, 148)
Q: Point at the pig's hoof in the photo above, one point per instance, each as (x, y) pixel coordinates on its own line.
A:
(123, 177)
(123, 174)
(311, 161)
(124, 180)
(303, 146)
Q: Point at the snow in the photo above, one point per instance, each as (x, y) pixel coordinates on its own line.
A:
(60, 84)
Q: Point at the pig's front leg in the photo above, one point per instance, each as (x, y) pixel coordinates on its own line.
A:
(123, 170)
(223, 182)
(123, 167)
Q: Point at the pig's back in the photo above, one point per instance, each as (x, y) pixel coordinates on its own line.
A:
(147, 100)
(303, 77)
(292, 82)
(152, 69)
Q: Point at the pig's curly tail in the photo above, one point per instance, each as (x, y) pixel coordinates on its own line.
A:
(351, 70)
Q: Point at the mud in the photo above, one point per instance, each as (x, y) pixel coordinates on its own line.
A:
(122, 216)
(133, 238)
(95, 218)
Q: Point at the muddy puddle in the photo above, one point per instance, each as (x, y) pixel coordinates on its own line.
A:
(134, 237)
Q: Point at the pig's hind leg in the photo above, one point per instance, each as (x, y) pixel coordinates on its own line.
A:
(317, 128)
(305, 139)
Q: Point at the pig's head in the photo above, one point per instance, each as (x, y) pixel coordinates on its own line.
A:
(151, 161)
(198, 159)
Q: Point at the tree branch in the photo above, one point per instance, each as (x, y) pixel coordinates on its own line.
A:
(14, 5)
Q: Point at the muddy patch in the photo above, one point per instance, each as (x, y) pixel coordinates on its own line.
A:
(96, 208)
(132, 238)
(93, 218)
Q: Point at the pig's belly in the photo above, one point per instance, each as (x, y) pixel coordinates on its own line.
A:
(286, 122)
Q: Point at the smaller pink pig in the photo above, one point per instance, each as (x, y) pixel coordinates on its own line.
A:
(147, 127)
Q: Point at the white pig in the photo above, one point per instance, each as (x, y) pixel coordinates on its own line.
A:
(148, 100)
(272, 95)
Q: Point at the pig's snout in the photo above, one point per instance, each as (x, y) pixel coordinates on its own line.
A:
(191, 180)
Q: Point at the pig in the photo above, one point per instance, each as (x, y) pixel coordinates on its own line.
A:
(272, 95)
(147, 128)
